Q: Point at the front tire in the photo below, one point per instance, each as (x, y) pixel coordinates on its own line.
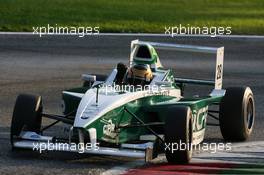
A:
(26, 116)
(237, 114)
(178, 132)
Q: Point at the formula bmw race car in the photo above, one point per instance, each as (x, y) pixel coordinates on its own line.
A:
(138, 110)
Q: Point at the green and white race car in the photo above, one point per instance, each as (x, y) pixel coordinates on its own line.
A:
(138, 110)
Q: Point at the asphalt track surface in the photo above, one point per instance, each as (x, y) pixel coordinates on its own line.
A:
(48, 65)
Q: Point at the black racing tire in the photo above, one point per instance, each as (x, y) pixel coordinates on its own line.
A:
(178, 131)
(99, 77)
(237, 114)
(158, 148)
(27, 115)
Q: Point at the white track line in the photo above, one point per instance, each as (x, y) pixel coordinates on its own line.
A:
(145, 35)
(4, 135)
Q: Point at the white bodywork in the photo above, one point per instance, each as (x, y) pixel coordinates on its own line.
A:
(89, 111)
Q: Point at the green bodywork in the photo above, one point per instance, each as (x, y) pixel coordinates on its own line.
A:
(127, 122)
(149, 109)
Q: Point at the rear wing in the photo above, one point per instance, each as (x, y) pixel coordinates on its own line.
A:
(217, 51)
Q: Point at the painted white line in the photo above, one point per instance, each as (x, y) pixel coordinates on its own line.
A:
(244, 152)
(4, 135)
(248, 144)
(143, 35)
(167, 35)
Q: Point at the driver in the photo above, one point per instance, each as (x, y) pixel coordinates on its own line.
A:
(139, 74)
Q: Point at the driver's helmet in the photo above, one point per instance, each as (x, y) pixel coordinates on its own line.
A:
(139, 74)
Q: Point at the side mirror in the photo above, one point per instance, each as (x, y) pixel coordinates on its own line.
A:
(88, 80)
(87, 77)
(163, 83)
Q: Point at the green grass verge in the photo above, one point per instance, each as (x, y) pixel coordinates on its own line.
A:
(244, 16)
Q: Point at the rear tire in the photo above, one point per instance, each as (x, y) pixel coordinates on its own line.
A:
(26, 115)
(178, 131)
(237, 114)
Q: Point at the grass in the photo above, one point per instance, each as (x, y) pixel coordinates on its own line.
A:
(244, 16)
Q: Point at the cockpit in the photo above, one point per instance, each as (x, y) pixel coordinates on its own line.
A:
(144, 68)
